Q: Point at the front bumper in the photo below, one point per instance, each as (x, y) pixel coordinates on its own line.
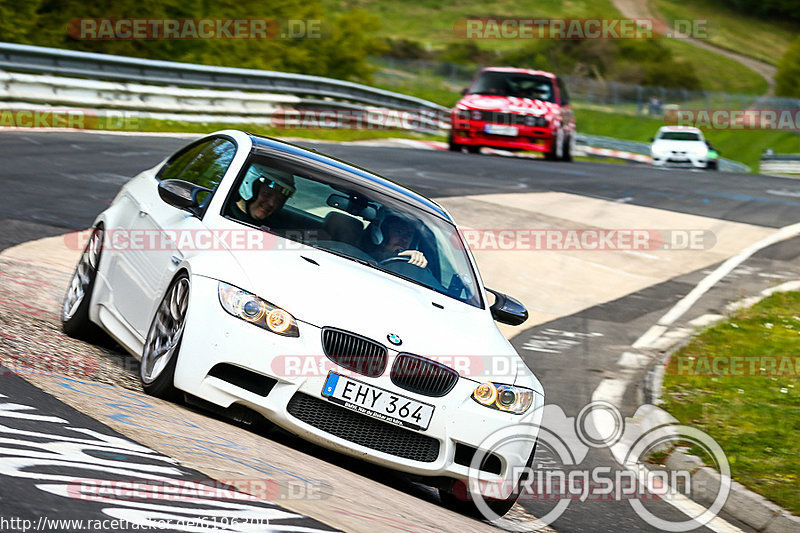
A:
(528, 138)
(295, 402)
(688, 161)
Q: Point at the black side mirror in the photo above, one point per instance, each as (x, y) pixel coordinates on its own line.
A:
(182, 194)
(464, 90)
(507, 309)
(652, 139)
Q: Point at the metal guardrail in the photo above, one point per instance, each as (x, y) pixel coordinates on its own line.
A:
(310, 91)
(780, 164)
(42, 60)
(644, 148)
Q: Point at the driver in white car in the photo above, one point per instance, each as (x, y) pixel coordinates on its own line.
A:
(262, 193)
(392, 237)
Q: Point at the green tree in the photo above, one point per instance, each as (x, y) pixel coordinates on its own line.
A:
(340, 51)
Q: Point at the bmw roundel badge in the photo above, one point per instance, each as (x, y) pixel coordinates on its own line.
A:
(394, 339)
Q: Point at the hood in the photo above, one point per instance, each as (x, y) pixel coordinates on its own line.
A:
(507, 104)
(322, 289)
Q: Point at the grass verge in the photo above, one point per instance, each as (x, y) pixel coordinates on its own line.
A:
(716, 72)
(343, 135)
(754, 418)
(766, 40)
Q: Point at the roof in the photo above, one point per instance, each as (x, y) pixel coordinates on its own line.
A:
(520, 71)
(359, 175)
(680, 128)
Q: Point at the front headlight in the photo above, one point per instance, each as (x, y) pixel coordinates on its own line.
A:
(659, 151)
(515, 400)
(700, 150)
(253, 309)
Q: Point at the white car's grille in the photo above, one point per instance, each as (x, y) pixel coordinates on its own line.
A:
(354, 352)
(423, 376)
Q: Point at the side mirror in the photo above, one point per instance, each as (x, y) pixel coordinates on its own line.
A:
(507, 310)
(652, 139)
(464, 90)
(182, 194)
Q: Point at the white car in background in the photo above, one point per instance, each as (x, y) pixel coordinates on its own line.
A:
(682, 146)
(218, 316)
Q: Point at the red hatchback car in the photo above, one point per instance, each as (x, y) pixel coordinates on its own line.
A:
(515, 109)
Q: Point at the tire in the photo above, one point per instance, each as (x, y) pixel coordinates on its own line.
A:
(452, 145)
(75, 309)
(552, 154)
(474, 149)
(567, 149)
(163, 344)
(712, 166)
(463, 502)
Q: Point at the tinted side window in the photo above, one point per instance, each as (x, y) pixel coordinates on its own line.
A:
(562, 88)
(173, 168)
(203, 164)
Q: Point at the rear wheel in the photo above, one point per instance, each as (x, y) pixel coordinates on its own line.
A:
(160, 355)
(474, 149)
(75, 310)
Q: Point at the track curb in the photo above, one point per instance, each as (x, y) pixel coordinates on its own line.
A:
(742, 503)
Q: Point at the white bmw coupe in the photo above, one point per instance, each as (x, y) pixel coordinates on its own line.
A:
(256, 274)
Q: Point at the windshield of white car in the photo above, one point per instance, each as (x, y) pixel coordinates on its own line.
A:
(679, 136)
(358, 223)
(514, 84)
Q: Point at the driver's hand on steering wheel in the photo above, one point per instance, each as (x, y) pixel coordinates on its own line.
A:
(415, 257)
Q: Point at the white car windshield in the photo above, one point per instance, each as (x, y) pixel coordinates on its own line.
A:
(679, 136)
(320, 207)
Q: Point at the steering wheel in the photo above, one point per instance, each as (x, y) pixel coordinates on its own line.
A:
(394, 258)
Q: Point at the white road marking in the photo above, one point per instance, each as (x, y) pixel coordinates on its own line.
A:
(613, 389)
(710, 280)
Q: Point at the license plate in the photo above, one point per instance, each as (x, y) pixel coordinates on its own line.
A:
(499, 129)
(377, 403)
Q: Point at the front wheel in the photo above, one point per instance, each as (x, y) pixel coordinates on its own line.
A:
(75, 309)
(160, 355)
(452, 145)
(567, 150)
